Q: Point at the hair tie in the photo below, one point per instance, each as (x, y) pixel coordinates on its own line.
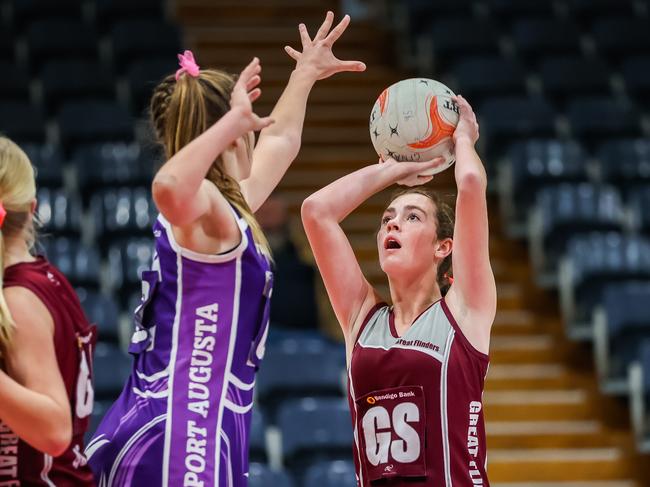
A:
(3, 214)
(187, 65)
(449, 278)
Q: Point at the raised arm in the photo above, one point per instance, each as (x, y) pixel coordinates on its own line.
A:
(474, 290)
(350, 293)
(33, 399)
(278, 145)
(179, 188)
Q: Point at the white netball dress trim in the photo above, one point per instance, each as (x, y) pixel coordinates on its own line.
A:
(443, 407)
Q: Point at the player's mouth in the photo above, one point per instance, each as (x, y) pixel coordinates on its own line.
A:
(391, 243)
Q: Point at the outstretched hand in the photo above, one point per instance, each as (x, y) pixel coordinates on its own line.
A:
(467, 124)
(410, 173)
(317, 57)
(245, 92)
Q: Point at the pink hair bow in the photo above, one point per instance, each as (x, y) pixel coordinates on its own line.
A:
(187, 65)
(3, 214)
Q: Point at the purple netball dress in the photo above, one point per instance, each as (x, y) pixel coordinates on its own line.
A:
(183, 417)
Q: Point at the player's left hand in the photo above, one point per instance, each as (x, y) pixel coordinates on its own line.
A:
(467, 124)
(317, 58)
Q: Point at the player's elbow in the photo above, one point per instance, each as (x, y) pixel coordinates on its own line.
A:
(58, 437)
(312, 210)
(165, 196)
(472, 181)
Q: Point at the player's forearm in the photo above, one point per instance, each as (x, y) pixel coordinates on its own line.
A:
(469, 171)
(181, 176)
(338, 199)
(35, 418)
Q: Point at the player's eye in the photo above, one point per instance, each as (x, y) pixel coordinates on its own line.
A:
(385, 220)
(413, 216)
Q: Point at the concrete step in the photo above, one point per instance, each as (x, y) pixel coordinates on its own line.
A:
(530, 375)
(546, 434)
(557, 464)
(535, 405)
(591, 483)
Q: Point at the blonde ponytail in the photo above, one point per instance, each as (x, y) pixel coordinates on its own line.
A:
(183, 109)
(17, 192)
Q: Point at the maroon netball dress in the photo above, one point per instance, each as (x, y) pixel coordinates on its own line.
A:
(416, 402)
(74, 338)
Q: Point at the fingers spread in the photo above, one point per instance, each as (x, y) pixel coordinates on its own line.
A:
(250, 70)
(253, 82)
(304, 36)
(325, 27)
(338, 30)
(292, 52)
(254, 94)
(351, 66)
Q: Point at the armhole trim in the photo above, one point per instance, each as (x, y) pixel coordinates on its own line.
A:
(459, 333)
(376, 307)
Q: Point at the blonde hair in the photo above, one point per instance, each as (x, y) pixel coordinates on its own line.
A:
(17, 192)
(184, 109)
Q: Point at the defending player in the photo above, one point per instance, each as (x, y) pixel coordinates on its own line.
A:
(46, 393)
(416, 368)
(184, 415)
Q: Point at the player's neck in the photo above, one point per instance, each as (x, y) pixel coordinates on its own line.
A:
(411, 297)
(16, 251)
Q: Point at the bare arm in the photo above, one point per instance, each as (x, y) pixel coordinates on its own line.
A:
(33, 399)
(350, 293)
(474, 288)
(278, 145)
(178, 188)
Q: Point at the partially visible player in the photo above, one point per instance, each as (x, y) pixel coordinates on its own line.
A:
(416, 368)
(184, 415)
(46, 393)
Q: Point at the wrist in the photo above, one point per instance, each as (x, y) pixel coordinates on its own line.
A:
(240, 121)
(464, 140)
(304, 74)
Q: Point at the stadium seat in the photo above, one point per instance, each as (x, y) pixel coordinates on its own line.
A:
(257, 442)
(48, 164)
(79, 263)
(126, 261)
(339, 473)
(14, 82)
(111, 368)
(84, 122)
(112, 164)
(478, 77)
(532, 165)
(639, 200)
(103, 311)
(565, 211)
(506, 119)
(625, 163)
(565, 77)
(261, 475)
(314, 430)
(448, 45)
(59, 212)
(7, 47)
(117, 213)
(60, 39)
(143, 76)
(621, 36)
(592, 262)
(636, 74)
(74, 79)
(416, 14)
(321, 371)
(108, 12)
(587, 10)
(534, 37)
(25, 11)
(139, 39)
(595, 118)
(620, 324)
(21, 122)
(639, 380)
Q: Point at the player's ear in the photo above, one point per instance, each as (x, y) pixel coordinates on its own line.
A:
(443, 248)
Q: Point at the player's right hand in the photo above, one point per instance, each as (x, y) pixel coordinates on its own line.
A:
(243, 95)
(410, 173)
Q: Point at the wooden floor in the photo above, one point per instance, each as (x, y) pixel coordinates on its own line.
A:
(547, 424)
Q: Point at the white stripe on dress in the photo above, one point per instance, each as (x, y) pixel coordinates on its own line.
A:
(228, 371)
(443, 407)
(172, 365)
(47, 466)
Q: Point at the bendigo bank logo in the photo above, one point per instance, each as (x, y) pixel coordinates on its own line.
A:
(371, 400)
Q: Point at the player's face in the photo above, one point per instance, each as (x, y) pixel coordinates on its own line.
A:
(407, 235)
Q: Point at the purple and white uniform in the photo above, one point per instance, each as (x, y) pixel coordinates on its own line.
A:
(183, 417)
